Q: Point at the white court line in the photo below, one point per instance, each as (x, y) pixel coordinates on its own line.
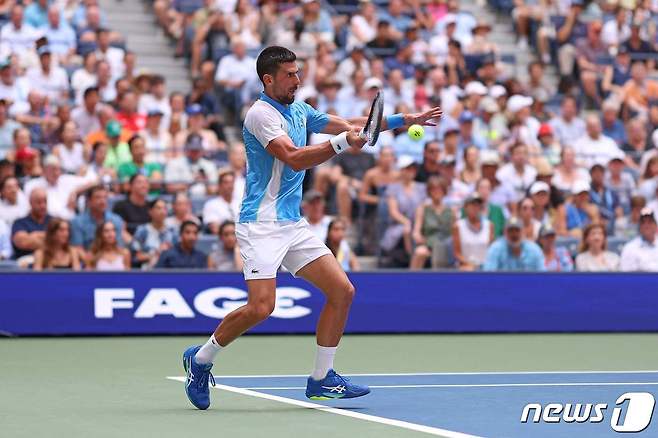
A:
(389, 422)
(484, 373)
(484, 385)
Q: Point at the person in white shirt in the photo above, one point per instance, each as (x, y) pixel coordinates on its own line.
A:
(641, 253)
(62, 190)
(85, 77)
(71, 153)
(12, 88)
(13, 202)
(49, 78)
(314, 212)
(528, 126)
(568, 126)
(234, 73)
(61, 37)
(156, 98)
(191, 172)
(158, 140)
(18, 36)
(85, 116)
(237, 161)
(113, 55)
(517, 174)
(398, 92)
(594, 147)
(224, 207)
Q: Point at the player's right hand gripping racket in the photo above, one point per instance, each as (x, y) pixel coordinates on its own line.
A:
(370, 131)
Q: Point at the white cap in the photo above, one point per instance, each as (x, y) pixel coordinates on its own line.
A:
(51, 160)
(497, 91)
(476, 87)
(372, 83)
(489, 157)
(580, 186)
(405, 161)
(488, 104)
(539, 186)
(517, 102)
(449, 18)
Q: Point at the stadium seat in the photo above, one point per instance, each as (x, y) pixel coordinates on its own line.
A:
(8, 264)
(570, 243)
(616, 244)
(206, 242)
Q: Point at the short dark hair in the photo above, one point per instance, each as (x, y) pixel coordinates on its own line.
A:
(154, 202)
(90, 90)
(94, 189)
(224, 225)
(187, 224)
(135, 176)
(271, 58)
(133, 139)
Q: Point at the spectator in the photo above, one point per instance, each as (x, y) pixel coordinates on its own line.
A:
(432, 228)
(83, 226)
(549, 149)
(568, 174)
(36, 14)
(529, 225)
(556, 259)
(17, 35)
(13, 202)
(6, 250)
(605, 199)
(617, 73)
(339, 247)
(513, 252)
(182, 209)
(153, 238)
(85, 116)
(457, 190)
(61, 37)
(112, 55)
(237, 162)
(235, 73)
(63, 190)
(404, 197)
(48, 78)
(134, 209)
(594, 256)
(546, 212)
(589, 51)
(517, 174)
(641, 253)
(184, 255)
(580, 211)
(594, 147)
(96, 169)
(156, 99)
(620, 183)
(56, 252)
(8, 127)
(314, 212)
(347, 174)
(71, 153)
(106, 254)
(191, 171)
(129, 115)
(627, 227)
(226, 256)
(525, 127)
(138, 165)
(493, 212)
(27, 234)
(224, 207)
(430, 165)
(471, 235)
(157, 140)
(611, 125)
(568, 126)
(636, 144)
(639, 91)
(470, 172)
(119, 151)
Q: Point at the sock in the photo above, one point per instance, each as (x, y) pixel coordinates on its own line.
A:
(208, 351)
(324, 361)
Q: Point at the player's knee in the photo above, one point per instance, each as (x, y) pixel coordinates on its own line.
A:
(422, 251)
(349, 292)
(261, 310)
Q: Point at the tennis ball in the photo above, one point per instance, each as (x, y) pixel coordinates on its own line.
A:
(416, 132)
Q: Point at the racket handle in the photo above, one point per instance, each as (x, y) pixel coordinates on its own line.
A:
(363, 135)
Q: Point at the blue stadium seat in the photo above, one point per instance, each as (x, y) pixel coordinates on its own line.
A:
(8, 264)
(570, 243)
(197, 205)
(616, 244)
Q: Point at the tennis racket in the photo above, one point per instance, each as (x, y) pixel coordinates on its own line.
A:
(370, 131)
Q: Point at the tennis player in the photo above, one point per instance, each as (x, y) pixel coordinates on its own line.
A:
(271, 232)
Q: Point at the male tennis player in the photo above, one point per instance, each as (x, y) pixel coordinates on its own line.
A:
(271, 231)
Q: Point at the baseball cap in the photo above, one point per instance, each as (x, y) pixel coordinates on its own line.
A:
(489, 105)
(544, 129)
(646, 212)
(475, 87)
(44, 50)
(547, 230)
(517, 102)
(194, 109)
(405, 161)
(450, 127)
(489, 157)
(513, 222)
(449, 19)
(497, 91)
(448, 160)
(539, 186)
(473, 198)
(4, 63)
(113, 129)
(194, 142)
(154, 112)
(24, 154)
(580, 186)
(312, 195)
(51, 160)
(372, 83)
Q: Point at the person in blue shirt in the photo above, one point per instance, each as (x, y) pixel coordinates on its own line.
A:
(271, 231)
(514, 253)
(36, 14)
(580, 211)
(184, 255)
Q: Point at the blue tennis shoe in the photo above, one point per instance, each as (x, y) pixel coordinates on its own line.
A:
(197, 378)
(334, 386)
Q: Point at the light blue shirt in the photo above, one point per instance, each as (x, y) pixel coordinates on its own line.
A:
(36, 16)
(62, 39)
(404, 145)
(273, 191)
(500, 258)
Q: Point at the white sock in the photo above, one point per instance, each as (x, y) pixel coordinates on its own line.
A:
(324, 361)
(208, 351)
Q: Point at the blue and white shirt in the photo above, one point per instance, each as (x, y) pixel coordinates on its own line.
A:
(273, 190)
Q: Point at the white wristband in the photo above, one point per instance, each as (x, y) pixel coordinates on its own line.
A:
(339, 143)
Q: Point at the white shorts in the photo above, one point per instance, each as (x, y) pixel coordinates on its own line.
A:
(265, 246)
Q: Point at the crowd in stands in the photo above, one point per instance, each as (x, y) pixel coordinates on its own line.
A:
(104, 168)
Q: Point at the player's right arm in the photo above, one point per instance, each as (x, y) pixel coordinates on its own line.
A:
(266, 126)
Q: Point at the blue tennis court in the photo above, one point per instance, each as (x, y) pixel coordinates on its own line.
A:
(480, 404)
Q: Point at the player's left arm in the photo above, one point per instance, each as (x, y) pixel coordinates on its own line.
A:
(335, 125)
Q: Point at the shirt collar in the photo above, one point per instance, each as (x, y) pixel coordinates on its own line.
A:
(278, 105)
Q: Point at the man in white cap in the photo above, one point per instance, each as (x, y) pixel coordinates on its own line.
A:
(580, 211)
(641, 253)
(518, 106)
(513, 252)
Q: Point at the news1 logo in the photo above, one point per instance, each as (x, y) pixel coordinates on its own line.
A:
(632, 414)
